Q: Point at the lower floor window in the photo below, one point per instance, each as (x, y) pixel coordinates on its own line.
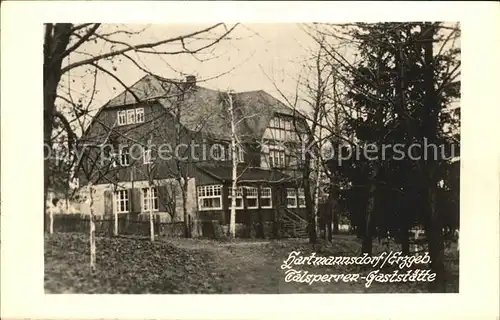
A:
(238, 197)
(266, 201)
(149, 199)
(210, 203)
(252, 198)
(291, 198)
(210, 197)
(121, 201)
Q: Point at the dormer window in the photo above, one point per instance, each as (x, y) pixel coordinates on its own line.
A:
(130, 116)
(122, 118)
(139, 115)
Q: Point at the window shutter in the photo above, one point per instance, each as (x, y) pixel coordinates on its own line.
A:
(108, 202)
(136, 200)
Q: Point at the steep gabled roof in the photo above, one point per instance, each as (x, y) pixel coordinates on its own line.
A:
(205, 110)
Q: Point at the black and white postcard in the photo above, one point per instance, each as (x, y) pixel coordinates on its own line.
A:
(192, 153)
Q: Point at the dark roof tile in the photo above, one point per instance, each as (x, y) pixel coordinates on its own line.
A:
(205, 110)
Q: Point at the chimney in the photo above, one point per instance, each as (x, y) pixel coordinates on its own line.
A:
(190, 81)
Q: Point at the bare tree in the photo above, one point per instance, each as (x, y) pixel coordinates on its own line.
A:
(63, 41)
(234, 167)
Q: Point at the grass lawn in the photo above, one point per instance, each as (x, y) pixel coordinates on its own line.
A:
(205, 266)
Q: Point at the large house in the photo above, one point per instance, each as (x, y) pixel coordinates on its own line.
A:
(161, 134)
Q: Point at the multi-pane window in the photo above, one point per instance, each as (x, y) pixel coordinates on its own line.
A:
(113, 159)
(121, 201)
(252, 197)
(146, 155)
(149, 199)
(266, 201)
(291, 198)
(122, 118)
(301, 198)
(139, 115)
(217, 151)
(277, 158)
(210, 197)
(130, 116)
(241, 153)
(124, 157)
(282, 129)
(238, 198)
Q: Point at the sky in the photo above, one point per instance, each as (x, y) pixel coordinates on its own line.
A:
(255, 57)
(267, 57)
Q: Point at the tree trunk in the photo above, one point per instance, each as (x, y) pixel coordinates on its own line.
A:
(436, 244)
(367, 242)
(311, 216)
(329, 231)
(430, 124)
(184, 187)
(92, 229)
(115, 220)
(56, 40)
(151, 221)
(370, 209)
(51, 222)
(234, 174)
(335, 222)
(232, 216)
(316, 195)
(405, 242)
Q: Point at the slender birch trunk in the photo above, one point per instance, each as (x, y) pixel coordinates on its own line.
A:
(51, 226)
(234, 161)
(316, 195)
(151, 224)
(115, 230)
(51, 219)
(92, 229)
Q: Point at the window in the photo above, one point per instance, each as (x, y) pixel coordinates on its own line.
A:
(272, 123)
(291, 198)
(121, 201)
(109, 157)
(146, 156)
(217, 151)
(266, 201)
(149, 199)
(131, 116)
(241, 153)
(113, 159)
(124, 157)
(288, 125)
(239, 198)
(210, 197)
(277, 158)
(302, 198)
(122, 118)
(282, 128)
(139, 115)
(252, 197)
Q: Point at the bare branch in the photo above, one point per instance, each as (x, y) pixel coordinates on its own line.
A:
(138, 48)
